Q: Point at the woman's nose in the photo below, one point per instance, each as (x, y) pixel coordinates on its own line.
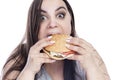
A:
(52, 23)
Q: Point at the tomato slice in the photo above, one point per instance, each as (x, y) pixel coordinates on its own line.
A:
(67, 53)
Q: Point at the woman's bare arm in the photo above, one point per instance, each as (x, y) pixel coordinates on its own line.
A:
(26, 75)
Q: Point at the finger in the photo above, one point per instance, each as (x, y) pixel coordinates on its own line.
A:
(75, 57)
(77, 49)
(44, 60)
(79, 42)
(41, 55)
(74, 41)
(42, 43)
(42, 40)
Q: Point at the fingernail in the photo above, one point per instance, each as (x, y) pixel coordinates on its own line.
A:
(52, 42)
(69, 38)
(67, 45)
(49, 37)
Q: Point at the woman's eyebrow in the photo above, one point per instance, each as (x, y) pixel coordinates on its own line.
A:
(61, 7)
(43, 11)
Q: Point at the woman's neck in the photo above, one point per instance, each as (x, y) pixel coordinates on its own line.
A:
(55, 70)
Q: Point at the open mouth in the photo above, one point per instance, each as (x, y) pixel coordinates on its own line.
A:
(52, 34)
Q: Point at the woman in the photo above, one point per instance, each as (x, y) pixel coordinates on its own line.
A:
(29, 62)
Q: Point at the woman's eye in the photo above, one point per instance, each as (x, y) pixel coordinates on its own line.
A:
(61, 15)
(43, 18)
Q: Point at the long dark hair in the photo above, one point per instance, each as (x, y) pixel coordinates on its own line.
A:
(20, 53)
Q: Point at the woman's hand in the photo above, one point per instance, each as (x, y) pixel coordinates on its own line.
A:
(36, 58)
(88, 58)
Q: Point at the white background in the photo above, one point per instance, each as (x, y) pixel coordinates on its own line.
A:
(97, 21)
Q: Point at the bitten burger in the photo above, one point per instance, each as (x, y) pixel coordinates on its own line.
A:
(58, 50)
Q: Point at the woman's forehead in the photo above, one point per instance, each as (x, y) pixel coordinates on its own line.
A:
(52, 4)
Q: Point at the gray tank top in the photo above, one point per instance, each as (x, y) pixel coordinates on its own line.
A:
(43, 75)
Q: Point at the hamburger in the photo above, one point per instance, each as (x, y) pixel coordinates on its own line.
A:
(58, 50)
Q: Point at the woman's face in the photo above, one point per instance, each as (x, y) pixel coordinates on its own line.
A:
(55, 18)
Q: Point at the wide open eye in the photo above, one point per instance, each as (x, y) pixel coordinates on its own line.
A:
(61, 15)
(43, 18)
